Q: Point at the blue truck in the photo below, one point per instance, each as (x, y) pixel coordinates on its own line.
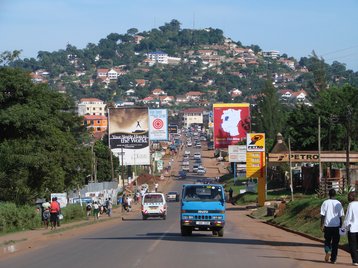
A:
(202, 209)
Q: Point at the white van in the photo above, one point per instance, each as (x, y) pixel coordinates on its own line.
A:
(154, 205)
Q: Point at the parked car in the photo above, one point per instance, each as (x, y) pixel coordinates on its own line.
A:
(189, 144)
(186, 163)
(186, 153)
(173, 196)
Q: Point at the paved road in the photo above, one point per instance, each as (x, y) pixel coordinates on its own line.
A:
(133, 242)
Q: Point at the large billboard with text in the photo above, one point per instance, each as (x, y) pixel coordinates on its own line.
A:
(231, 123)
(158, 124)
(128, 134)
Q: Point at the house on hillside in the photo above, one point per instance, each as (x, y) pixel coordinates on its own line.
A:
(158, 57)
(181, 99)
(286, 94)
(158, 92)
(194, 95)
(166, 100)
(300, 96)
(91, 106)
(96, 123)
(140, 82)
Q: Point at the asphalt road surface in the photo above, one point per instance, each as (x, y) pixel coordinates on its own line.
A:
(132, 242)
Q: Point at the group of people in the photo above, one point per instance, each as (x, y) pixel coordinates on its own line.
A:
(334, 224)
(51, 212)
(97, 208)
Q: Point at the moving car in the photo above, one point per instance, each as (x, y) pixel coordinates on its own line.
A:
(154, 205)
(186, 163)
(173, 196)
(195, 168)
(186, 168)
(201, 170)
(197, 156)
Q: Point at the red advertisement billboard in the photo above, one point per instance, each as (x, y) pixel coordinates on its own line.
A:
(231, 123)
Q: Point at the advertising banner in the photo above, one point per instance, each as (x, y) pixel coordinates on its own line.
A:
(231, 123)
(173, 129)
(61, 198)
(237, 153)
(255, 142)
(128, 135)
(158, 124)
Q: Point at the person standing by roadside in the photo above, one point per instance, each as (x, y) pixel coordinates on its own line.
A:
(59, 212)
(351, 225)
(331, 220)
(46, 212)
(109, 207)
(230, 195)
(96, 210)
(54, 211)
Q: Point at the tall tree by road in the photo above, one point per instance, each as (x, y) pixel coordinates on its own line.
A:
(268, 115)
(40, 140)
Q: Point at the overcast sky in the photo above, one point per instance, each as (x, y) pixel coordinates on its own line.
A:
(330, 27)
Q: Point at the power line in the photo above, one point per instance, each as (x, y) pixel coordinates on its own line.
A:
(339, 50)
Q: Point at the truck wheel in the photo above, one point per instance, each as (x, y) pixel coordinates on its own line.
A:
(144, 217)
(164, 217)
(221, 232)
(185, 231)
(215, 232)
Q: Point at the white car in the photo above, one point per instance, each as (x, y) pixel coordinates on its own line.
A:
(185, 168)
(186, 153)
(154, 205)
(201, 170)
(186, 163)
(197, 156)
(189, 144)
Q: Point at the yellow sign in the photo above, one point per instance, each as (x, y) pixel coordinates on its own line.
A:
(255, 168)
(255, 142)
(255, 163)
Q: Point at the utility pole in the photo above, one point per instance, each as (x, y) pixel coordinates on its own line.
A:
(319, 157)
(290, 166)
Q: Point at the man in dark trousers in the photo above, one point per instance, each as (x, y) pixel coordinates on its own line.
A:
(230, 195)
(331, 220)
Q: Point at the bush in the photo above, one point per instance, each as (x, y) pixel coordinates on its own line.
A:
(18, 218)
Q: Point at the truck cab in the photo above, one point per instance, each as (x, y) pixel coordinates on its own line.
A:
(202, 209)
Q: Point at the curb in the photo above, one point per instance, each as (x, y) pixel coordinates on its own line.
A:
(342, 247)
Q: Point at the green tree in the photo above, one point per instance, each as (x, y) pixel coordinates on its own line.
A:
(269, 113)
(40, 141)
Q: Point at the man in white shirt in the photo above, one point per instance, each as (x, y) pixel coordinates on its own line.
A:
(351, 225)
(331, 220)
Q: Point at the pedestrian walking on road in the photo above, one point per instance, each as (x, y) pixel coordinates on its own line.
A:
(331, 221)
(96, 210)
(230, 195)
(351, 225)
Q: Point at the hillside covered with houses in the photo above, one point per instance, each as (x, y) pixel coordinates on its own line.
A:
(170, 66)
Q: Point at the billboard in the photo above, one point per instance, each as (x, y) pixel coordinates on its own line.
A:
(231, 123)
(255, 142)
(173, 129)
(158, 124)
(128, 135)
